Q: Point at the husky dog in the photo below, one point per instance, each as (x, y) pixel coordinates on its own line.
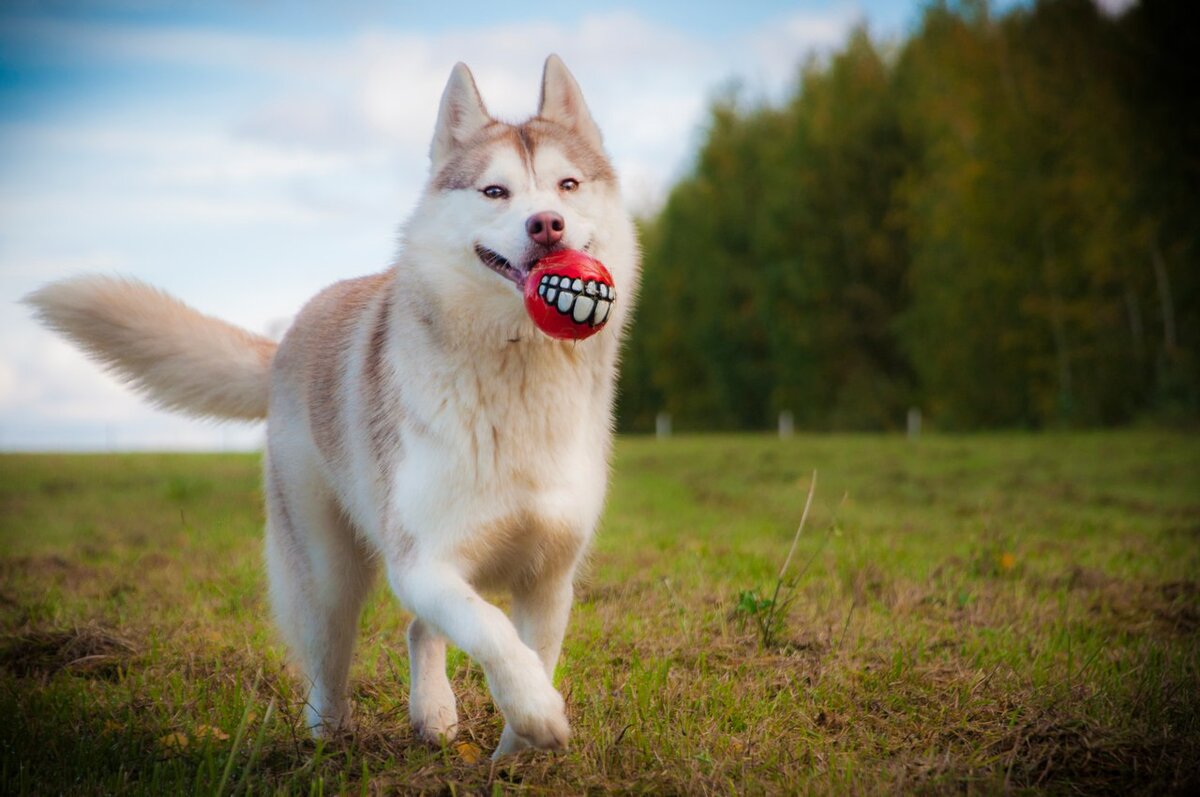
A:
(417, 421)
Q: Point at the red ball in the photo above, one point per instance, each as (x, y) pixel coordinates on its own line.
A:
(569, 295)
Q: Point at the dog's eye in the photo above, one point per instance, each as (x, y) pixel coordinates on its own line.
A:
(495, 192)
(569, 184)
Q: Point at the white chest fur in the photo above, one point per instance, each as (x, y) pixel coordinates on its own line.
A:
(502, 466)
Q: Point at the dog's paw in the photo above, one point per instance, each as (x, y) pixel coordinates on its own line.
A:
(329, 721)
(546, 731)
(535, 712)
(510, 744)
(433, 712)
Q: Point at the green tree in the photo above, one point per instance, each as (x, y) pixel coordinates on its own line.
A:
(997, 222)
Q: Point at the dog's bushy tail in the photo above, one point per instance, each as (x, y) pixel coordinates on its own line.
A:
(179, 358)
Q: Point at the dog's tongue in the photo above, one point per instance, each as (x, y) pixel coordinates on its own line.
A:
(569, 295)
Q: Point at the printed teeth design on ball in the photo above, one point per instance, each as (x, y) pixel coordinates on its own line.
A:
(569, 295)
(584, 301)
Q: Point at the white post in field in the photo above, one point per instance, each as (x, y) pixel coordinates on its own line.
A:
(787, 425)
(914, 423)
(662, 425)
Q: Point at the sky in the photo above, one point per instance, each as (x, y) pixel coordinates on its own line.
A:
(243, 155)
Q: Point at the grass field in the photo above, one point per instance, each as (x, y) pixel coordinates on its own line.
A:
(963, 614)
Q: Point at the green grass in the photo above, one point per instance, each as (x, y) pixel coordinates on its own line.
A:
(964, 614)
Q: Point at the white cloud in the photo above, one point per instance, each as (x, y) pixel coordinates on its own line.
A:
(1114, 7)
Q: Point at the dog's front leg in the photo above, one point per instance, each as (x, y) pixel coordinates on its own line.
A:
(440, 597)
(540, 613)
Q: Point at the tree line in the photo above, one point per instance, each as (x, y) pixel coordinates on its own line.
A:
(994, 220)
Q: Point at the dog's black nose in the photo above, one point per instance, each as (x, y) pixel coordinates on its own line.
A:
(545, 228)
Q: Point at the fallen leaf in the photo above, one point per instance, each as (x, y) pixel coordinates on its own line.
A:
(468, 752)
(209, 732)
(174, 741)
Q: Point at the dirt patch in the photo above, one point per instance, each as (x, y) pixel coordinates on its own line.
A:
(52, 567)
(90, 650)
(1085, 578)
(868, 583)
(1055, 752)
(59, 487)
(1172, 608)
(1179, 608)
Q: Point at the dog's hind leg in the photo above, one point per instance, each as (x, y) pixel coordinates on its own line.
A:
(320, 574)
(431, 703)
(540, 613)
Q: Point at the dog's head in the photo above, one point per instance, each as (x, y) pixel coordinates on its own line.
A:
(501, 196)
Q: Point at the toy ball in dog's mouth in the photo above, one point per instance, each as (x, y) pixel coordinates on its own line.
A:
(569, 295)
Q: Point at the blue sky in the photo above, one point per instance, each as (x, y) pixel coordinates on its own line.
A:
(243, 155)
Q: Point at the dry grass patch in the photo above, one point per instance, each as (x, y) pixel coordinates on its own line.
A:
(967, 615)
(91, 650)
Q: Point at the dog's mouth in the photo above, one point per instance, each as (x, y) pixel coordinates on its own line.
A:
(501, 265)
(515, 273)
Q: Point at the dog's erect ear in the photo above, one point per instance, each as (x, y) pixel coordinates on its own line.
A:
(562, 102)
(461, 115)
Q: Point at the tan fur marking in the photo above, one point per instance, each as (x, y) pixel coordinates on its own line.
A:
(382, 416)
(524, 144)
(332, 330)
(516, 551)
(279, 503)
(594, 163)
(465, 168)
(496, 445)
(405, 545)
